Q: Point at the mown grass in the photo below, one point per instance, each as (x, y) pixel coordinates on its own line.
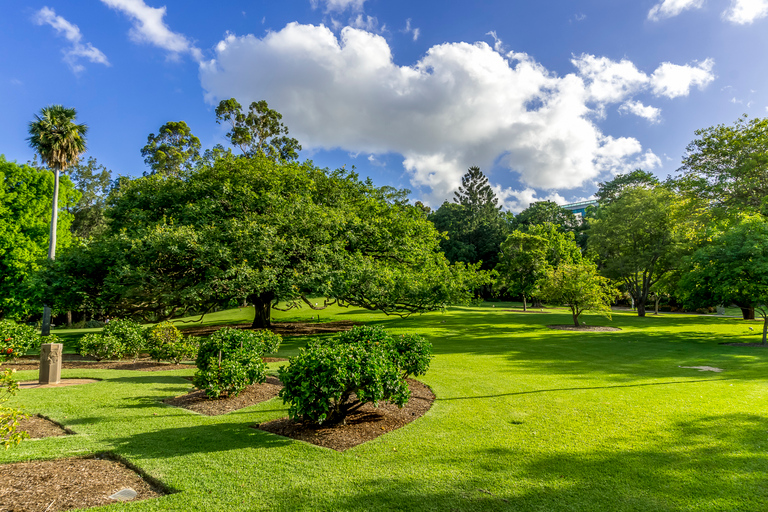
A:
(527, 418)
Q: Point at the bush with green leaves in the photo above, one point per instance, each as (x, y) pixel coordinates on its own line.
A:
(131, 334)
(100, 346)
(9, 417)
(16, 339)
(231, 359)
(166, 343)
(365, 361)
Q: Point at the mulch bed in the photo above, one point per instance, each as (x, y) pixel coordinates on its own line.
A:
(526, 311)
(593, 328)
(282, 328)
(197, 400)
(365, 424)
(39, 427)
(144, 364)
(755, 345)
(64, 484)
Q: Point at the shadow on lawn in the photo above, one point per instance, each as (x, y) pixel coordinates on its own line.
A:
(707, 464)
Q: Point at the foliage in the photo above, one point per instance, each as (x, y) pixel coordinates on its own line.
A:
(635, 240)
(173, 150)
(365, 361)
(542, 212)
(93, 181)
(578, 286)
(731, 269)
(16, 339)
(475, 194)
(101, 346)
(131, 334)
(166, 343)
(25, 211)
(726, 167)
(258, 132)
(9, 417)
(269, 232)
(231, 359)
(611, 190)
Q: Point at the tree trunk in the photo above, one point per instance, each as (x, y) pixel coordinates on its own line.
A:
(656, 306)
(765, 329)
(69, 318)
(525, 305)
(46, 329)
(640, 308)
(262, 304)
(575, 318)
(748, 313)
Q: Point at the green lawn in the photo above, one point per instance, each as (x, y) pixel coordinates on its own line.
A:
(527, 418)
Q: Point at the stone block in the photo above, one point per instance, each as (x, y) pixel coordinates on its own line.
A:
(50, 363)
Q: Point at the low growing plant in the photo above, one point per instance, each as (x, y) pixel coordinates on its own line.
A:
(166, 343)
(231, 359)
(9, 417)
(366, 362)
(101, 346)
(16, 339)
(131, 334)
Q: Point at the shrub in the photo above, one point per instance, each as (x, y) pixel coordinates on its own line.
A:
(132, 335)
(101, 346)
(231, 359)
(365, 361)
(9, 417)
(16, 339)
(166, 343)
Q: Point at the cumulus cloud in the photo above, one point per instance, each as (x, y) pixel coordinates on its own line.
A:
(652, 114)
(518, 200)
(338, 5)
(670, 8)
(462, 104)
(672, 80)
(149, 27)
(77, 49)
(744, 12)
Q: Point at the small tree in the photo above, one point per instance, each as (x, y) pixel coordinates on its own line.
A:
(578, 286)
(259, 131)
(9, 417)
(172, 150)
(521, 261)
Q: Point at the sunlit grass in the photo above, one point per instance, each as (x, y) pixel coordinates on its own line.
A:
(527, 418)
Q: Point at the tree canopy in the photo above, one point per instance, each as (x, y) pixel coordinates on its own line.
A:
(173, 150)
(259, 131)
(578, 286)
(611, 190)
(542, 212)
(269, 232)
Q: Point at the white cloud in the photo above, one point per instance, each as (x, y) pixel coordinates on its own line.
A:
(518, 200)
(744, 12)
(460, 105)
(369, 23)
(609, 81)
(411, 30)
(672, 80)
(670, 8)
(339, 5)
(652, 114)
(71, 32)
(149, 27)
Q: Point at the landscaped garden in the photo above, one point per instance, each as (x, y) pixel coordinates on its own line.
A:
(525, 418)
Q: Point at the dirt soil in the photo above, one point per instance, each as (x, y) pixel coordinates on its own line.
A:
(39, 427)
(197, 400)
(282, 328)
(365, 424)
(756, 345)
(64, 484)
(144, 364)
(593, 328)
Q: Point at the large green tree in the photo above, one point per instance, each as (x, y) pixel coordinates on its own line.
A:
(579, 287)
(173, 150)
(273, 233)
(59, 141)
(636, 240)
(731, 269)
(610, 190)
(726, 167)
(542, 212)
(25, 211)
(94, 182)
(259, 131)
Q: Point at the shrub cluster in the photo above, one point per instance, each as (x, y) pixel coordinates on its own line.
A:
(9, 416)
(365, 361)
(231, 359)
(17, 339)
(118, 339)
(166, 343)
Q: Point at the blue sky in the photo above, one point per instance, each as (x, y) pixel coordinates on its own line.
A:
(548, 98)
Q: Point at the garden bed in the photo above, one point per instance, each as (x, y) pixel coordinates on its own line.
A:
(197, 400)
(586, 328)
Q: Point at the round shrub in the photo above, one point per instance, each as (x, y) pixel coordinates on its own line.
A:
(16, 339)
(101, 346)
(365, 362)
(131, 334)
(166, 343)
(231, 359)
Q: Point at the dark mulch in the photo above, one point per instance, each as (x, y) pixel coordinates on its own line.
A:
(39, 427)
(593, 328)
(143, 364)
(526, 311)
(365, 424)
(64, 484)
(282, 328)
(197, 400)
(755, 345)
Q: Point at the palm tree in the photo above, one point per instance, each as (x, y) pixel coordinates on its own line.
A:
(59, 142)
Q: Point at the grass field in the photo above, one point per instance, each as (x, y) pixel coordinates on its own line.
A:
(527, 419)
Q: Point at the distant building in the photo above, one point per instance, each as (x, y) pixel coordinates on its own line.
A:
(579, 208)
